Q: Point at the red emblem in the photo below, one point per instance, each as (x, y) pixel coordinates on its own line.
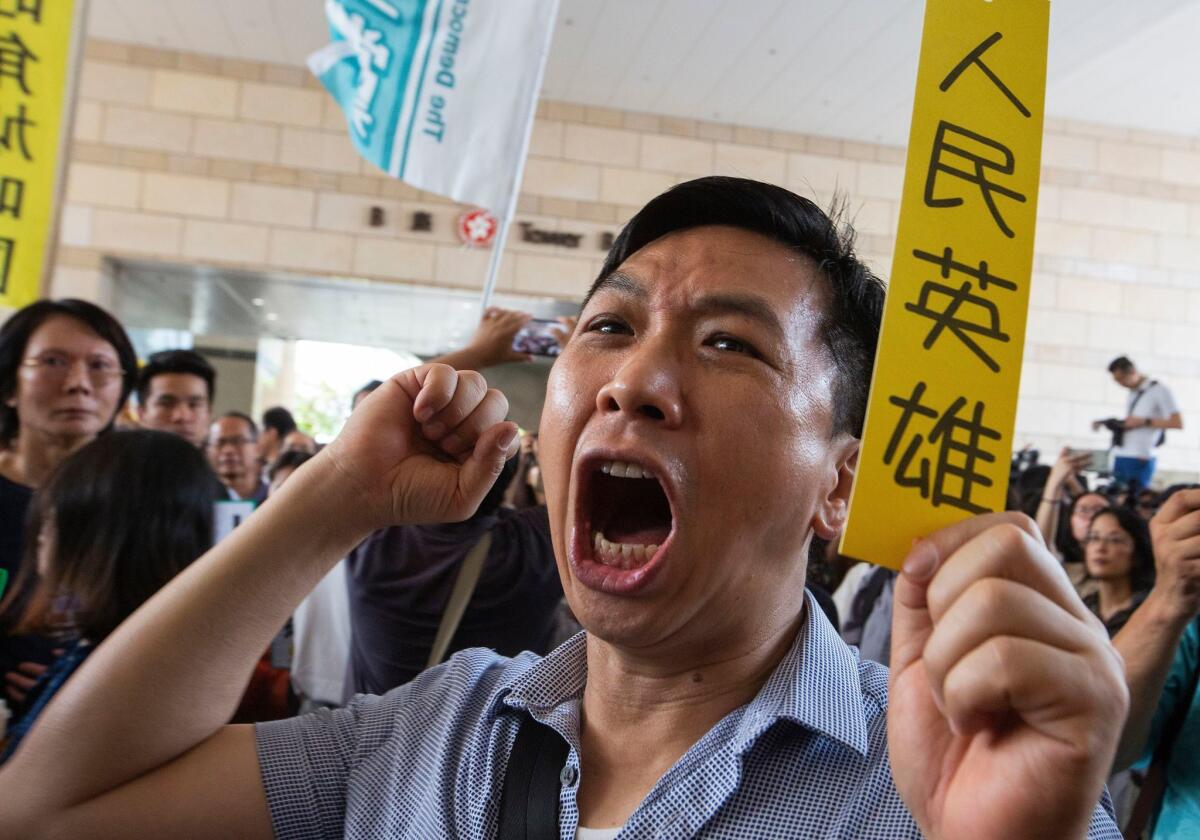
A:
(477, 228)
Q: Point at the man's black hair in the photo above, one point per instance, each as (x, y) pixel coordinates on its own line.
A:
(367, 389)
(243, 416)
(279, 419)
(176, 361)
(15, 335)
(851, 328)
(1121, 364)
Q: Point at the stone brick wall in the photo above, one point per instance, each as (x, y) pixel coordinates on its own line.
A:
(195, 159)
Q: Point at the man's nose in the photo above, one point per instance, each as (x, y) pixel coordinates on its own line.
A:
(647, 384)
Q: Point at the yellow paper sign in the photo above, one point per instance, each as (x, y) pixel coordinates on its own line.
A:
(939, 427)
(35, 46)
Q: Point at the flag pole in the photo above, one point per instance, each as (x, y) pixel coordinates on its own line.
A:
(489, 285)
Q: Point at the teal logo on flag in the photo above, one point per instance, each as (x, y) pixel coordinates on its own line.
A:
(373, 68)
(440, 93)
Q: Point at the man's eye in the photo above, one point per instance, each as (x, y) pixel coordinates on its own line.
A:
(608, 326)
(729, 344)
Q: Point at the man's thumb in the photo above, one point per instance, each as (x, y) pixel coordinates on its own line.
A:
(479, 472)
(911, 622)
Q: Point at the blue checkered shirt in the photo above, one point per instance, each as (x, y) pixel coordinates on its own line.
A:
(806, 758)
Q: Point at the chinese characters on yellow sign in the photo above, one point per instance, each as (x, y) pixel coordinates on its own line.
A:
(944, 394)
(35, 45)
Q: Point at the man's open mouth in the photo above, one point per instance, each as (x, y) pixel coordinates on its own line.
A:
(628, 513)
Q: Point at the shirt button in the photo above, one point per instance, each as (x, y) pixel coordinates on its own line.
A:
(568, 776)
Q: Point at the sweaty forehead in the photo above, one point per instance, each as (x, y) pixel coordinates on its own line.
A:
(681, 268)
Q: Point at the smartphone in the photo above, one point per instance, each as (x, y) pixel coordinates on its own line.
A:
(539, 337)
(1097, 462)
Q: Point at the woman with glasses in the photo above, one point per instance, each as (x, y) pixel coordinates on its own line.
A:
(66, 367)
(1120, 559)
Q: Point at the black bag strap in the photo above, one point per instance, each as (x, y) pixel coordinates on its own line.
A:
(529, 803)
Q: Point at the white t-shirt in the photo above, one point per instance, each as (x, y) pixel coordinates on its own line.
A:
(1158, 403)
(582, 833)
(321, 641)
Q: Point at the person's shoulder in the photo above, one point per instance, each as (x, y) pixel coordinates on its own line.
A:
(471, 678)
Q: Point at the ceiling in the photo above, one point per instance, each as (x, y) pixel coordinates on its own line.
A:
(840, 68)
(241, 304)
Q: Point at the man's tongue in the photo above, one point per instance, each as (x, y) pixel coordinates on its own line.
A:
(632, 519)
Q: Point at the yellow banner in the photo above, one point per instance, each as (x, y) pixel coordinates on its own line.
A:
(35, 47)
(944, 394)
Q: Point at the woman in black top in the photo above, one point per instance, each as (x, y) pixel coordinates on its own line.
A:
(66, 368)
(1120, 559)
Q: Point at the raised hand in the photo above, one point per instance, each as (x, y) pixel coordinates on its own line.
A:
(424, 447)
(1006, 698)
(1175, 530)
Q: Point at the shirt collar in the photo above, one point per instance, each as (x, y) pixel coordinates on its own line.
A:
(816, 685)
(556, 678)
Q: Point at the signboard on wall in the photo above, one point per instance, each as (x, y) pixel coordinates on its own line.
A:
(37, 38)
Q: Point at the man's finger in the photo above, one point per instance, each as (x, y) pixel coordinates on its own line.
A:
(1035, 681)
(1183, 527)
(492, 409)
(1181, 503)
(469, 391)
(1005, 551)
(997, 607)
(438, 385)
(19, 681)
(911, 621)
(479, 472)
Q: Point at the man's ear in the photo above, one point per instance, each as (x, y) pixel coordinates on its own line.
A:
(834, 506)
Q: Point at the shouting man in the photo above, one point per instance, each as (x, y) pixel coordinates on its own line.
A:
(700, 428)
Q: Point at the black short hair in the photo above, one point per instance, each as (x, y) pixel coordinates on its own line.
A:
(279, 419)
(18, 329)
(175, 361)
(241, 415)
(851, 328)
(366, 389)
(289, 460)
(1121, 364)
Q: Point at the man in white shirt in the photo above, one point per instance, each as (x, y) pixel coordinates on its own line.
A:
(1150, 409)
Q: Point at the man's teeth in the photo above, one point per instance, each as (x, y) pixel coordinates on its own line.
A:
(621, 555)
(623, 469)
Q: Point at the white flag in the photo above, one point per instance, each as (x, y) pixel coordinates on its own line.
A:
(440, 93)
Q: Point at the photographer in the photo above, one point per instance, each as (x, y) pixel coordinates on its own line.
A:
(1149, 411)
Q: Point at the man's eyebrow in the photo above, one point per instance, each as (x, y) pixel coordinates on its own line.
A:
(749, 306)
(621, 283)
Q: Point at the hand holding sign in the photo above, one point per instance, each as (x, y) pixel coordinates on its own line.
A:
(1006, 699)
(426, 447)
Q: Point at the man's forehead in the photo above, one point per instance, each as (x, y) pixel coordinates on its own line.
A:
(719, 260)
(176, 382)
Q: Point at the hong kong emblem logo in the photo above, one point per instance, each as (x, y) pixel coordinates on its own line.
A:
(477, 228)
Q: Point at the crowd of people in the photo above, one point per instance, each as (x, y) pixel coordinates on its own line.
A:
(389, 644)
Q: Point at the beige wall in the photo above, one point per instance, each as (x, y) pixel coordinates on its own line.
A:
(201, 160)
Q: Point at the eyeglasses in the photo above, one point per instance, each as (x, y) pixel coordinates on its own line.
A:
(100, 370)
(1114, 540)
